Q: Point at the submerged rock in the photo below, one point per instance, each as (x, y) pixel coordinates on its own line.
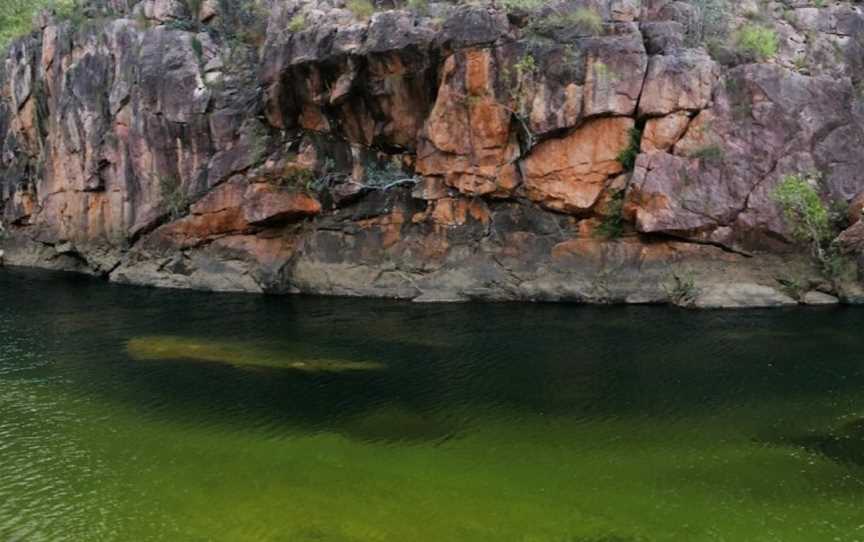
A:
(237, 354)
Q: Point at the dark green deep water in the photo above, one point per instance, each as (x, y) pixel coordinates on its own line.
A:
(469, 422)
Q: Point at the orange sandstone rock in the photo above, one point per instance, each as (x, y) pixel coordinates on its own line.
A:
(568, 174)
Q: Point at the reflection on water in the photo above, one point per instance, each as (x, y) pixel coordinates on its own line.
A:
(137, 414)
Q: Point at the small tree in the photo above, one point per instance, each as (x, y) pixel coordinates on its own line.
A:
(806, 214)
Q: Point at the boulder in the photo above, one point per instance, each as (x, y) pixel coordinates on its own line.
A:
(568, 174)
(740, 295)
(818, 298)
(265, 204)
(467, 139)
(661, 134)
(678, 82)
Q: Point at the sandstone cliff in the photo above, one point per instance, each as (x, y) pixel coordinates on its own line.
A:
(586, 150)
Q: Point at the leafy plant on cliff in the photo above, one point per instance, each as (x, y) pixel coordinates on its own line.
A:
(297, 23)
(756, 43)
(518, 81)
(612, 225)
(420, 7)
(198, 49)
(16, 16)
(794, 286)
(681, 288)
(243, 21)
(710, 24)
(711, 153)
(362, 9)
(174, 201)
(804, 211)
(627, 157)
(811, 221)
(585, 20)
(522, 5)
(524, 72)
(298, 176)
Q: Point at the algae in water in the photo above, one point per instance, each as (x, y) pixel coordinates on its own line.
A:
(239, 354)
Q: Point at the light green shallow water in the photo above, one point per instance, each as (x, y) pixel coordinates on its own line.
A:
(461, 422)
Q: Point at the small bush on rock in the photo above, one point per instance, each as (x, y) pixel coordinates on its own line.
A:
(297, 23)
(804, 210)
(627, 157)
(681, 288)
(756, 43)
(362, 9)
(810, 220)
(612, 225)
(585, 20)
(711, 26)
(420, 7)
(173, 199)
(710, 154)
(522, 5)
(16, 16)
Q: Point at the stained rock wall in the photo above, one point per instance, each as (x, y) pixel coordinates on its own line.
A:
(465, 152)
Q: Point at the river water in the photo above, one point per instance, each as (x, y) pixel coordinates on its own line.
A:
(134, 414)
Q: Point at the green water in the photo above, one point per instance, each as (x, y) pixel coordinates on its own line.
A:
(466, 422)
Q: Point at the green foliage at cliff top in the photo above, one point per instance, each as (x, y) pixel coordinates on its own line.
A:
(16, 16)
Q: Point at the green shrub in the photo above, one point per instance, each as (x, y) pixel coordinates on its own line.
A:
(711, 153)
(421, 7)
(805, 212)
(297, 23)
(198, 49)
(16, 16)
(518, 80)
(681, 288)
(711, 26)
(756, 42)
(362, 9)
(181, 24)
(627, 157)
(244, 22)
(794, 287)
(522, 5)
(174, 200)
(295, 175)
(612, 225)
(811, 221)
(585, 20)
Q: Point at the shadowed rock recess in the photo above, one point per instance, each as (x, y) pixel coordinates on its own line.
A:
(443, 152)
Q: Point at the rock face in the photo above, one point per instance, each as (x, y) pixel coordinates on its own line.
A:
(587, 150)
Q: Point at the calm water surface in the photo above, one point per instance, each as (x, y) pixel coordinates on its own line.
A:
(133, 415)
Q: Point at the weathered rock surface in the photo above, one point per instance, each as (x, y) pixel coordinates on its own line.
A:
(737, 295)
(568, 174)
(452, 153)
